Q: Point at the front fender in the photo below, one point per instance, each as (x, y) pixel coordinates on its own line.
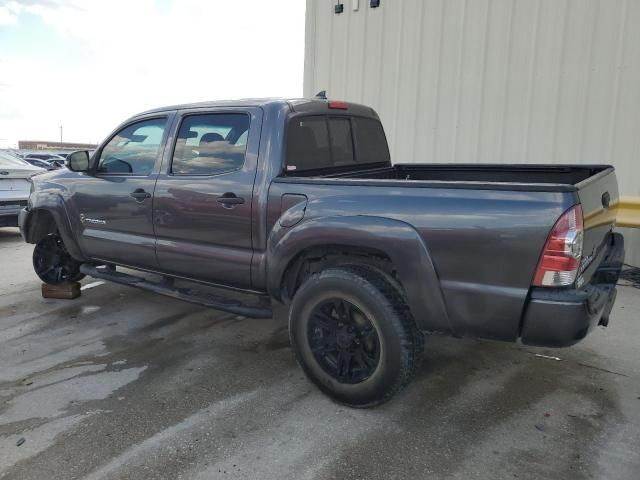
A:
(54, 204)
(398, 240)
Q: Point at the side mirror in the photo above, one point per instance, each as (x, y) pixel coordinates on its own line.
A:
(78, 161)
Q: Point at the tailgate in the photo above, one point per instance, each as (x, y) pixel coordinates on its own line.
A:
(598, 196)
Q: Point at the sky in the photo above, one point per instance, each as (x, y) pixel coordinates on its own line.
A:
(89, 64)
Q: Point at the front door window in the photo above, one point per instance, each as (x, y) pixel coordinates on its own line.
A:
(134, 150)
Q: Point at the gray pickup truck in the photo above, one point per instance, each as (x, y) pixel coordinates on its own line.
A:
(297, 201)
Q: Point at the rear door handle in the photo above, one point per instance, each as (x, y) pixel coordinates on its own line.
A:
(140, 195)
(228, 200)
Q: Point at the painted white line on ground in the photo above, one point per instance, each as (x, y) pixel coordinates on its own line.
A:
(91, 285)
(549, 357)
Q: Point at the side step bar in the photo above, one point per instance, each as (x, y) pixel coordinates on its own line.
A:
(261, 310)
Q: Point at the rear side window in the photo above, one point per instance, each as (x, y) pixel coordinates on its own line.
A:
(371, 141)
(318, 142)
(211, 144)
(308, 144)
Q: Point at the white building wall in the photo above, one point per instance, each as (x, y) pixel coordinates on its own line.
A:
(510, 81)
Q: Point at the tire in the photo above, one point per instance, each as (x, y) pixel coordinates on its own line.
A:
(77, 277)
(53, 264)
(330, 327)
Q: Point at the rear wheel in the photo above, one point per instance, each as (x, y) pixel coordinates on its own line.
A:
(53, 264)
(354, 336)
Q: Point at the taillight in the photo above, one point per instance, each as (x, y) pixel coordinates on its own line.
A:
(561, 256)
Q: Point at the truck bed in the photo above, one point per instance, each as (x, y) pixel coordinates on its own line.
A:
(484, 225)
(492, 173)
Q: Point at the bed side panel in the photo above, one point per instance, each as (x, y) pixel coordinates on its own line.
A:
(484, 244)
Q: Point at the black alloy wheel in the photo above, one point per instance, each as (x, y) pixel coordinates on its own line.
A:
(52, 262)
(343, 341)
(354, 336)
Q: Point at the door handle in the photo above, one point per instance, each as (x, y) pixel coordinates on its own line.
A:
(140, 195)
(228, 200)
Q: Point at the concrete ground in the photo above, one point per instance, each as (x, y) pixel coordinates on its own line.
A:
(124, 384)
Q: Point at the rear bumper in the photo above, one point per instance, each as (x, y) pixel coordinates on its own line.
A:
(9, 215)
(8, 219)
(562, 317)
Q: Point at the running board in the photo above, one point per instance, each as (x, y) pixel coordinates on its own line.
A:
(262, 310)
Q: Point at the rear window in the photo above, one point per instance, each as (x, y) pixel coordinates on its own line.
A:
(7, 160)
(319, 142)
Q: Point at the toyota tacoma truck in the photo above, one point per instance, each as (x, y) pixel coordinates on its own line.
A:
(298, 202)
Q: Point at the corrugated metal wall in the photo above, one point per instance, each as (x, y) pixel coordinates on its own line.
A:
(541, 81)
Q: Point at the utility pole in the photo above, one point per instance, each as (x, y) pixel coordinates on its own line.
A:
(60, 134)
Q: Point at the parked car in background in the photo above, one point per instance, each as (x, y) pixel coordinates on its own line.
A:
(44, 156)
(51, 158)
(56, 163)
(40, 163)
(14, 187)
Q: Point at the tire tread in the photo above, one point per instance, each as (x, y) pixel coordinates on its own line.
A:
(411, 338)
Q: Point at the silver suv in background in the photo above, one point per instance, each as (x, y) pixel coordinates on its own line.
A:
(14, 187)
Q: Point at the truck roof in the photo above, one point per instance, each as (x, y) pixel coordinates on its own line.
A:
(310, 105)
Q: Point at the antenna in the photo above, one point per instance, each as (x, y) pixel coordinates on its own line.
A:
(322, 94)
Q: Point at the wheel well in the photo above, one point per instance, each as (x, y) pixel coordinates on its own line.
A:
(41, 224)
(316, 259)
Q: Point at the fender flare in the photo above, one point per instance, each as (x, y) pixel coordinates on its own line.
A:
(54, 204)
(397, 239)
